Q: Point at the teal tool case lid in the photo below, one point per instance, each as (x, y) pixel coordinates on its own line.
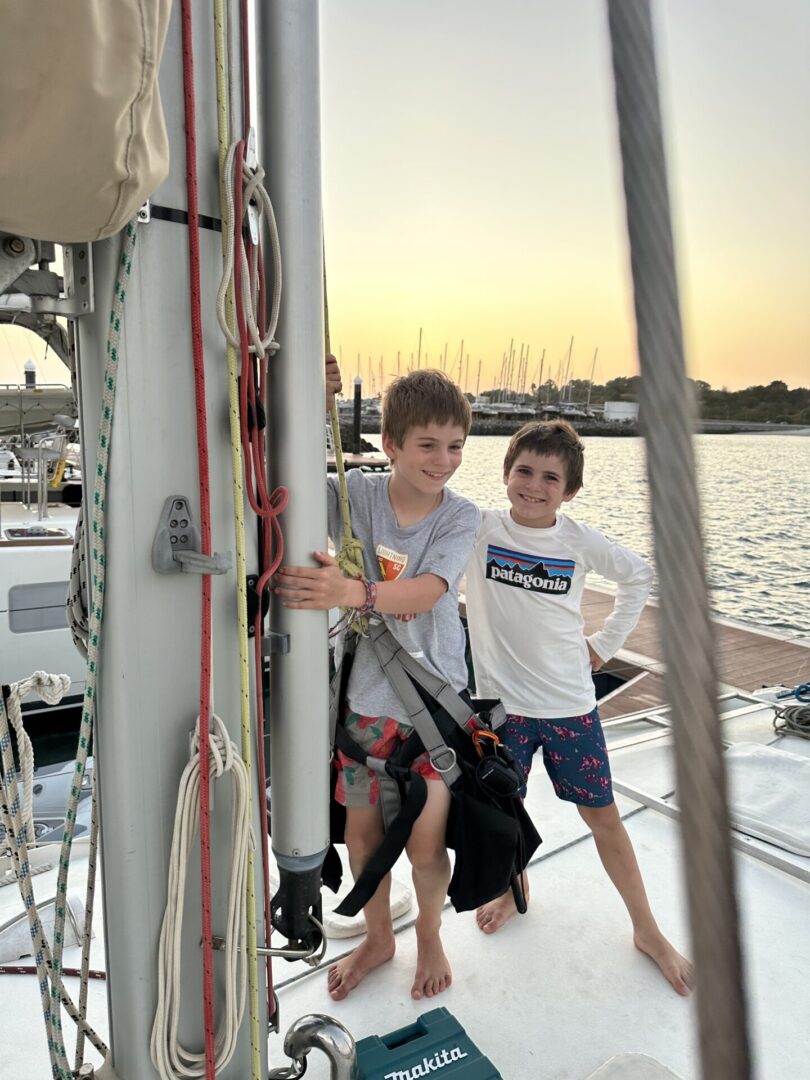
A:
(435, 1045)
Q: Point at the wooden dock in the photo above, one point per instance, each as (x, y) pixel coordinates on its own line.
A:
(746, 659)
(376, 462)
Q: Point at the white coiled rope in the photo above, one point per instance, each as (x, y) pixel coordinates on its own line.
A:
(253, 191)
(16, 817)
(172, 1060)
(50, 688)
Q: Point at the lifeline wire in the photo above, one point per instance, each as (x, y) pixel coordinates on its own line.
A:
(686, 630)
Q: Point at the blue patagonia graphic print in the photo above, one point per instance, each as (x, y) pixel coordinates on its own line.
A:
(533, 572)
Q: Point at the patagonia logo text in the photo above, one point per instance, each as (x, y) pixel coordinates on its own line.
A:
(533, 572)
(427, 1065)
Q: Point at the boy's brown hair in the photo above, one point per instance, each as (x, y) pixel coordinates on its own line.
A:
(421, 398)
(553, 438)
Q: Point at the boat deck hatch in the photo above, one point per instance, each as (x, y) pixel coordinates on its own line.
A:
(35, 532)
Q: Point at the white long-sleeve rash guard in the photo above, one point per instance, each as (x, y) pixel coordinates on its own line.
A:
(524, 607)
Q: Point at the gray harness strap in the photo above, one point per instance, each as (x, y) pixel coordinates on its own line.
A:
(389, 649)
(390, 801)
(400, 668)
(396, 663)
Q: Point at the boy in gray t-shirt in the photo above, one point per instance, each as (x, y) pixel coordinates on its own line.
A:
(416, 536)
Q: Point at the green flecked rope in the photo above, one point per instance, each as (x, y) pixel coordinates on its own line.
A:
(49, 961)
(98, 569)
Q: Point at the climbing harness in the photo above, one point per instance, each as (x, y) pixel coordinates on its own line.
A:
(488, 826)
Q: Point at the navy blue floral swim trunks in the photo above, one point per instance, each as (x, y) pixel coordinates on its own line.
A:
(574, 754)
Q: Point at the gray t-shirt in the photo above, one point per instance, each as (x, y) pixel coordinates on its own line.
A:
(438, 544)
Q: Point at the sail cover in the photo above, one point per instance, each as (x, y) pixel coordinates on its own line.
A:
(82, 137)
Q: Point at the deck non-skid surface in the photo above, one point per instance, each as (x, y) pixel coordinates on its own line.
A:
(560, 991)
(555, 993)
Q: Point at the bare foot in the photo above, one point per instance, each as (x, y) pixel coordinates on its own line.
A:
(433, 973)
(675, 968)
(349, 972)
(491, 917)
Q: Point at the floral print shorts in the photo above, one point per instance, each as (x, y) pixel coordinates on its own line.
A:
(378, 736)
(574, 754)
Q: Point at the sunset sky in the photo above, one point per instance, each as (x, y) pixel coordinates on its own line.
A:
(472, 185)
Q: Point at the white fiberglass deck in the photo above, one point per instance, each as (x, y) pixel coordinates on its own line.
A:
(558, 992)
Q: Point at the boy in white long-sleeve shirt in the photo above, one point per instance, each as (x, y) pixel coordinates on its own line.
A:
(525, 581)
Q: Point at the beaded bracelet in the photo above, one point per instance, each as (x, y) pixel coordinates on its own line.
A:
(371, 597)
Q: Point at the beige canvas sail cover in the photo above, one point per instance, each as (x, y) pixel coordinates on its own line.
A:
(82, 138)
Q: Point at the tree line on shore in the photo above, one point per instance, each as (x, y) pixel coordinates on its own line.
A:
(773, 403)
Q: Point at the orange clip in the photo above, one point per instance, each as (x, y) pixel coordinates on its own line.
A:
(482, 733)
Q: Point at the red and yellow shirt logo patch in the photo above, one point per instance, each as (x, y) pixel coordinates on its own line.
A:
(391, 562)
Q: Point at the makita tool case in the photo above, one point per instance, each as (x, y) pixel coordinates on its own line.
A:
(435, 1045)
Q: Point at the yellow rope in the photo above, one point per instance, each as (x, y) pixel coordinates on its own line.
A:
(349, 555)
(58, 473)
(223, 137)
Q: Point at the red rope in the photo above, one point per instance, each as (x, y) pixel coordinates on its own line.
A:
(205, 530)
(261, 584)
(29, 969)
(243, 14)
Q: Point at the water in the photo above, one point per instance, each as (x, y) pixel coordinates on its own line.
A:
(756, 514)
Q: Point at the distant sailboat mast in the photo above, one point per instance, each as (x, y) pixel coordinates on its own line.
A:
(590, 384)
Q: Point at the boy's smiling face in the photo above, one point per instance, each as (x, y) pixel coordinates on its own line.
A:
(536, 487)
(428, 456)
